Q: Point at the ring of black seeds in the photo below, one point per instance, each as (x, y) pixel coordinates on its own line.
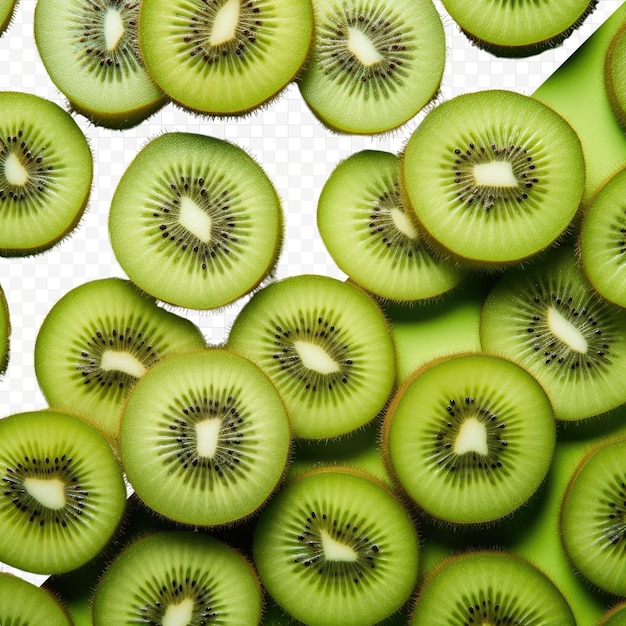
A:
(612, 520)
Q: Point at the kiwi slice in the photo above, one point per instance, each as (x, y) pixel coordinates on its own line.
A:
(374, 65)
(7, 10)
(46, 172)
(615, 616)
(470, 438)
(494, 176)
(97, 341)
(490, 587)
(63, 492)
(518, 29)
(224, 56)
(195, 221)
(175, 578)
(336, 547)
(5, 332)
(326, 346)
(373, 237)
(615, 75)
(548, 319)
(204, 438)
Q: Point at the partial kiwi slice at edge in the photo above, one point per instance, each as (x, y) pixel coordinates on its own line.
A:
(5, 332)
(7, 10)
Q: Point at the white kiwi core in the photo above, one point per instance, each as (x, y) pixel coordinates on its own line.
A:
(566, 331)
(113, 28)
(315, 358)
(495, 174)
(49, 492)
(402, 222)
(472, 437)
(14, 171)
(225, 24)
(208, 436)
(179, 614)
(121, 361)
(336, 551)
(195, 220)
(362, 47)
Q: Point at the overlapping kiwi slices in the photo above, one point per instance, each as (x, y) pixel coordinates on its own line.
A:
(494, 177)
(548, 319)
(46, 171)
(63, 492)
(615, 75)
(195, 221)
(374, 65)
(489, 587)
(373, 237)
(224, 56)
(5, 332)
(97, 341)
(336, 547)
(326, 346)
(470, 438)
(175, 578)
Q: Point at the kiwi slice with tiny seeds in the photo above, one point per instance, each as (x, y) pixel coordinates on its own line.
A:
(195, 221)
(63, 492)
(336, 547)
(615, 75)
(97, 341)
(494, 177)
(373, 65)
(7, 11)
(46, 171)
(5, 332)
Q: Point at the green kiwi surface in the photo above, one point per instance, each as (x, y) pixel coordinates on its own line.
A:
(195, 221)
(548, 319)
(63, 492)
(615, 616)
(374, 65)
(615, 75)
(336, 547)
(97, 341)
(178, 577)
(224, 57)
(90, 51)
(494, 177)
(46, 171)
(326, 346)
(7, 10)
(5, 332)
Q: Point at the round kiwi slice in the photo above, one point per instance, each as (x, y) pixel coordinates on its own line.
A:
(373, 236)
(195, 221)
(615, 75)
(23, 603)
(470, 438)
(5, 332)
(489, 587)
(518, 29)
(615, 616)
(90, 51)
(593, 517)
(224, 56)
(336, 547)
(7, 9)
(204, 438)
(326, 346)
(97, 341)
(548, 319)
(494, 176)
(63, 492)
(46, 170)
(176, 578)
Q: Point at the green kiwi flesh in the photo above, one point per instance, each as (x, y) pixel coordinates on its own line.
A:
(63, 492)
(615, 616)
(548, 319)
(7, 9)
(326, 346)
(175, 578)
(46, 172)
(374, 65)
(615, 75)
(489, 587)
(95, 343)
(224, 56)
(336, 547)
(470, 438)
(494, 177)
(373, 237)
(195, 221)
(5, 332)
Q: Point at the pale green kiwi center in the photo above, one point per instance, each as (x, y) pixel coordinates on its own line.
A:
(566, 331)
(336, 551)
(207, 436)
(225, 24)
(495, 174)
(14, 171)
(195, 220)
(113, 28)
(315, 358)
(179, 614)
(403, 223)
(362, 47)
(49, 492)
(472, 437)
(121, 361)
